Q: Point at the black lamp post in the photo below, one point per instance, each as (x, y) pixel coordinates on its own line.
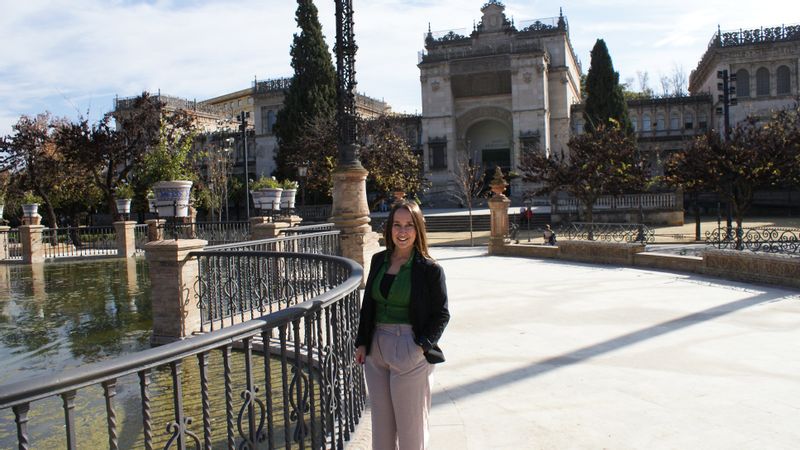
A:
(302, 172)
(727, 99)
(346, 85)
(242, 117)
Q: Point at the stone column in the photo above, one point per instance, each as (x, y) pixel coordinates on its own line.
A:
(155, 229)
(173, 281)
(351, 216)
(31, 240)
(126, 240)
(498, 207)
(4, 242)
(265, 228)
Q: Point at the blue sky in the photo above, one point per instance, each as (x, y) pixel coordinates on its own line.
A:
(71, 57)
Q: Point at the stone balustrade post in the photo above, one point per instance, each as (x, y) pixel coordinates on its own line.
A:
(30, 237)
(4, 252)
(265, 228)
(498, 208)
(126, 240)
(155, 229)
(174, 288)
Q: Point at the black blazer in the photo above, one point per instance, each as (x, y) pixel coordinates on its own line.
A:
(428, 311)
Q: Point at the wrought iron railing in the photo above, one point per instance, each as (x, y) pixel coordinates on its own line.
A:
(305, 229)
(216, 233)
(314, 213)
(626, 202)
(321, 243)
(79, 241)
(609, 232)
(140, 237)
(285, 378)
(768, 240)
(11, 247)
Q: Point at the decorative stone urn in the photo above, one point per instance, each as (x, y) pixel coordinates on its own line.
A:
(123, 205)
(287, 198)
(30, 209)
(498, 183)
(172, 198)
(267, 199)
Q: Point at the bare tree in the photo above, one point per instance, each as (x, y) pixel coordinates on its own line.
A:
(666, 85)
(678, 80)
(644, 83)
(470, 183)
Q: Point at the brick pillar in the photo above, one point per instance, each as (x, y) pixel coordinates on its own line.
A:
(264, 228)
(4, 242)
(173, 281)
(126, 240)
(351, 216)
(155, 229)
(31, 240)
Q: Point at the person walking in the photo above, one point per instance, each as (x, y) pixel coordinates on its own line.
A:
(403, 315)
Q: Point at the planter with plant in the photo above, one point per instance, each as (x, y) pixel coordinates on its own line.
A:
(30, 204)
(289, 193)
(167, 167)
(122, 196)
(266, 192)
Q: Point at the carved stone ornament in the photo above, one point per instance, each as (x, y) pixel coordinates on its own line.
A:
(435, 86)
(527, 77)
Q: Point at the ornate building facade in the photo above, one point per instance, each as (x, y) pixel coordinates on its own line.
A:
(490, 94)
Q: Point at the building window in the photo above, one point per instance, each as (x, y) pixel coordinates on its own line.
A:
(762, 81)
(674, 121)
(688, 121)
(264, 120)
(438, 155)
(783, 80)
(742, 83)
(635, 123)
(702, 121)
(271, 120)
(659, 122)
(646, 122)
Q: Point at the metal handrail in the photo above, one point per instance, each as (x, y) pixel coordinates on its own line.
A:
(299, 242)
(325, 351)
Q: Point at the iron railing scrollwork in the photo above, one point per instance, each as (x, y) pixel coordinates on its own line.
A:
(760, 239)
(286, 377)
(608, 232)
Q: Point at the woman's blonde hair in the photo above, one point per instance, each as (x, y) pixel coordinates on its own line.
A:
(421, 242)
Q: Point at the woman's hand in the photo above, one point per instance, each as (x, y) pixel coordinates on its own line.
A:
(361, 354)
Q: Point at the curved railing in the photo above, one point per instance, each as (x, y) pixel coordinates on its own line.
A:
(320, 243)
(761, 239)
(291, 379)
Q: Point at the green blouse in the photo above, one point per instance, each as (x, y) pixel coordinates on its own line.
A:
(393, 309)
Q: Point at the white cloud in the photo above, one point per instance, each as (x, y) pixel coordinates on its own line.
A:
(64, 56)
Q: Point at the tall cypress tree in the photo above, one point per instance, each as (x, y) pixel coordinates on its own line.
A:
(312, 94)
(604, 95)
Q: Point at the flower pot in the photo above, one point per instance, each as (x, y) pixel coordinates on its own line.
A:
(172, 198)
(287, 198)
(123, 205)
(30, 209)
(267, 199)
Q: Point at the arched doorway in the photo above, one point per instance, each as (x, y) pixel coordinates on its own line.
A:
(489, 142)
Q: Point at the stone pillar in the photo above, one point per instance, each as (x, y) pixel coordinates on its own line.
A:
(31, 240)
(155, 229)
(4, 242)
(126, 240)
(35, 219)
(265, 228)
(173, 281)
(293, 220)
(351, 216)
(498, 207)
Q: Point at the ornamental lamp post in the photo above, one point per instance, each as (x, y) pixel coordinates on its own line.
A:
(242, 117)
(302, 172)
(727, 99)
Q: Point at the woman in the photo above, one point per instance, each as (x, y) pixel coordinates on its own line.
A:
(402, 318)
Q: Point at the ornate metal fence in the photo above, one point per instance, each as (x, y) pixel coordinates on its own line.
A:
(769, 240)
(140, 237)
(285, 378)
(322, 243)
(304, 229)
(79, 241)
(11, 247)
(611, 232)
(216, 233)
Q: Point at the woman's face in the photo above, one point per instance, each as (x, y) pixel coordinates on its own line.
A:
(403, 231)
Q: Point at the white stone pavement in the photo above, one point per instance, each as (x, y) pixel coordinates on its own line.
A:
(545, 354)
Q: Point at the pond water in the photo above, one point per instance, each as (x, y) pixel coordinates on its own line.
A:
(61, 315)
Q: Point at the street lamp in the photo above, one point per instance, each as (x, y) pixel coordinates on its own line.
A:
(242, 117)
(727, 98)
(302, 171)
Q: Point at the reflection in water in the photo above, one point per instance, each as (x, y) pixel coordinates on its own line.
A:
(62, 315)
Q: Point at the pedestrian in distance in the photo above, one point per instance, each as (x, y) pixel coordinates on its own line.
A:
(549, 235)
(403, 315)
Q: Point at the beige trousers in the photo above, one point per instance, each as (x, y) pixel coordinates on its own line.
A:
(399, 380)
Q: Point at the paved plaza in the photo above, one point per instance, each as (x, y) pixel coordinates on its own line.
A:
(546, 354)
